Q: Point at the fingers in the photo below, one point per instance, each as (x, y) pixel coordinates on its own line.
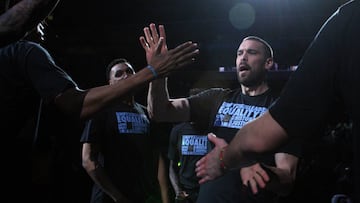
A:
(252, 184)
(154, 33)
(201, 170)
(200, 163)
(259, 180)
(151, 34)
(162, 32)
(212, 137)
(184, 51)
(205, 179)
(143, 43)
(263, 175)
(253, 178)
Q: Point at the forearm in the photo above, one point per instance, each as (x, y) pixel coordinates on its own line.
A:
(100, 97)
(234, 154)
(158, 98)
(99, 176)
(174, 179)
(22, 17)
(258, 136)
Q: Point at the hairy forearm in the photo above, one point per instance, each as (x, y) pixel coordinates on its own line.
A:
(260, 135)
(234, 154)
(22, 17)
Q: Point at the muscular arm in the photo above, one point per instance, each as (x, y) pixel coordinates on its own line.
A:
(260, 135)
(84, 104)
(163, 109)
(97, 173)
(22, 17)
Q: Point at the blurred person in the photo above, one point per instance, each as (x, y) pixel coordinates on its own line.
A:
(22, 17)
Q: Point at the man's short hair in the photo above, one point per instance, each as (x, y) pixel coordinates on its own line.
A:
(268, 49)
(112, 64)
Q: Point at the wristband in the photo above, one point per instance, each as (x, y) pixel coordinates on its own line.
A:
(152, 69)
(223, 167)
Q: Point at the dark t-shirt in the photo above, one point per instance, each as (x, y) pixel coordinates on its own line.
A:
(326, 81)
(226, 111)
(27, 74)
(127, 153)
(187, 145)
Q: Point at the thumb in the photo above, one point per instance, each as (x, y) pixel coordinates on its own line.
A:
(218, 142)
(212, 137)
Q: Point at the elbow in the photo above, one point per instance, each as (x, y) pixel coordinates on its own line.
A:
(87, 165)
(156, 115)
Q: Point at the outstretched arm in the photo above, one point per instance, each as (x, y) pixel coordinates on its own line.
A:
(84, 104)
(22, 17)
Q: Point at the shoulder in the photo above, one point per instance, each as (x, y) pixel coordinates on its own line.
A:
(138, 105)
(211, 92)
(350, 5)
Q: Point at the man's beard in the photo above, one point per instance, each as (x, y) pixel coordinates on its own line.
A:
(252, 80)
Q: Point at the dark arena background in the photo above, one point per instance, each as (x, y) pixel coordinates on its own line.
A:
(84, 36)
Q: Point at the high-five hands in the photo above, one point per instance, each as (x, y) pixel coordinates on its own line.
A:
(159, 57)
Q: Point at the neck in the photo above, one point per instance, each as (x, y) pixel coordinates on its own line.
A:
(256, 90)
(128, 100)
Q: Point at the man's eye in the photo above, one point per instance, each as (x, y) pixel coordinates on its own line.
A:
(129, 71)
(118, 74)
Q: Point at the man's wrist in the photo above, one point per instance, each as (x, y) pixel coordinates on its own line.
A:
(223, 166)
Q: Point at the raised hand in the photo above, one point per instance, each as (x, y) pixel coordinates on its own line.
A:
(158, 56)
(208, 167)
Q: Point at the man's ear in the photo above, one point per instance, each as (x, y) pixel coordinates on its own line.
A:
(269, 63)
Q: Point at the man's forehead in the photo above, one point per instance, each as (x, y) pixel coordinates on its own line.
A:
(121, 66)
(250, 44)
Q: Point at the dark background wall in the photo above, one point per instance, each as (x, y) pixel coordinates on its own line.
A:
(85, 35)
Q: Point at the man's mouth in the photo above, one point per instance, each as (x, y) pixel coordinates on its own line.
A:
(243, 68)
